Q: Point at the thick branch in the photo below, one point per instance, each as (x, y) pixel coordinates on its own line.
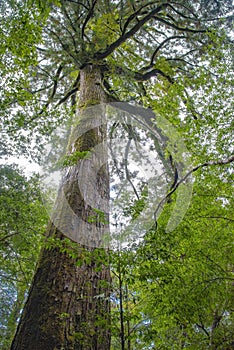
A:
(152, 73)
(137, 75)
(101, 55)
(134, 15)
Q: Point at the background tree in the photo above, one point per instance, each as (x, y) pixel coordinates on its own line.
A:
(23, 220)
(158, 54)
(189, 273)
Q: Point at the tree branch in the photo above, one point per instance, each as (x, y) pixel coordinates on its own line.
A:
(69, 18)
(162, 44)
(152, 73)
(56, 78)
(55, 20)
(59, 70)
(134, 15)
(63, 99)
(182, 14)
(71, 92)
(210, 163)
(8, 236)
(137, 75)
(201, 326)
(183, 29)
(78, 3)
(101, 55)
(64, 46)
(216, 217)
(88, 17)
(126, 167)
(74, 89)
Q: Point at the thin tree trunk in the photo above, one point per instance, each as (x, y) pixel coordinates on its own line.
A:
(128, 319)
(68, 304)
(121, 311)
(13, 320)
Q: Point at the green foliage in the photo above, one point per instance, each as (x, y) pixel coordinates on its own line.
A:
(79, 254)
(103, 30)
(22, 224)
(182, 282)
(20, 33)
(98, 216)
(135, 208)
(72, 159)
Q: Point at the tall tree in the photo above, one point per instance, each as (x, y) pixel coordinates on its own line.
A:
(98, 51)
(186, 276)
(23, 222)
(69, 299)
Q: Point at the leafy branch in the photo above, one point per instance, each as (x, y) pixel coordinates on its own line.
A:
(103, 54)
(206, 164)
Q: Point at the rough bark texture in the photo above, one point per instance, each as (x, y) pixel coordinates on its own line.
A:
(68, 303)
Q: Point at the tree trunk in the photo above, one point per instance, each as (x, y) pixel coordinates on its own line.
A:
(68, 304)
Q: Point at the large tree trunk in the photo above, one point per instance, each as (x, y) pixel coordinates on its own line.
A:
(68, 303)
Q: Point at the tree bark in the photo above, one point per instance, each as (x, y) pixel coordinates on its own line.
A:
(68, 303)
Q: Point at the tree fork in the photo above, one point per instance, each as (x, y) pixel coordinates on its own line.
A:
(68, 303)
